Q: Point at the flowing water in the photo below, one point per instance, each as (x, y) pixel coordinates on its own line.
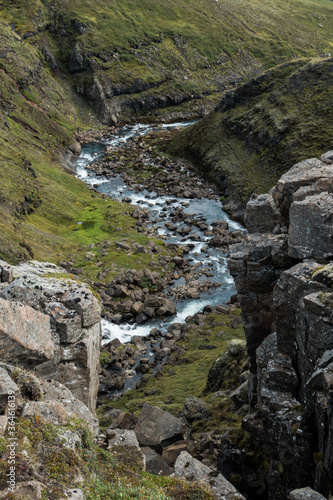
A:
(204, 209)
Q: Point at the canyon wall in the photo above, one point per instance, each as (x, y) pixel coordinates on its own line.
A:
(284, 276)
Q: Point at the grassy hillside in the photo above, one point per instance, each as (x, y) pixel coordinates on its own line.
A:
(40, 203)
(129, 57)
(262, 128)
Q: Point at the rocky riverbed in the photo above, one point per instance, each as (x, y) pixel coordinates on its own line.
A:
(177, 207)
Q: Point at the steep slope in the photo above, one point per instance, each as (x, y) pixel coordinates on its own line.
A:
(130, 58)
(40, 202)
(263, 127)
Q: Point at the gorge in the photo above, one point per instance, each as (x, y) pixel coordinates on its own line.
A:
(166, 248)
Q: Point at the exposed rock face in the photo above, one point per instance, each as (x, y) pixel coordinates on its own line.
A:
(52, 402)
(52, 325)
(25, 334)
(285, 282)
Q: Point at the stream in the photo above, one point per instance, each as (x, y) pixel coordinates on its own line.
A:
(160, 207)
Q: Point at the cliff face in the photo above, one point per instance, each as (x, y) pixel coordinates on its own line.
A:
(261, 128)
(283, 274)
(51, 325)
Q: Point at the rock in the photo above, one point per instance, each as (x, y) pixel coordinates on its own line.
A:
(311, 227)
(190, 469)
(126, 443)
(261, 214)
(122, 421)
(157, 428)
(240, 396)
(74, 317)
(121, 437)
(3, 424)
(171, 453)
(137, 308)
(25, 334)
(139, 344)
(194, 409)
(222, 309)
(290, 289)
(155, 464)
(121, 292)
(67, 323)
(123, 246)
(56, 392)
(235, 352)
(294, 301)
(8, 390)
(26, 490)
(75, 494)
(305, 173)
(50, 412)
(6, 272)
(305, 494)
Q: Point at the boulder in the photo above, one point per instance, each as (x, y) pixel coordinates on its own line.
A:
(124, 444)
(57, 392)
(157, 428)
(172, 452)
(194, 409)
(26, 490)
(121, 437)
(311, 227)
(155, 464)
(261, 214)
(123, 246)
(305, 494)
(6, 272)
(190, 469)
(49, 412)
(25, 334)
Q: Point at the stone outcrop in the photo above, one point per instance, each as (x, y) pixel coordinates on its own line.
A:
(51, 401)
(283, 273)
(51, 324)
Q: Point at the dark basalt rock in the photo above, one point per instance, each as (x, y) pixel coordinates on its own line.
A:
(286, 300)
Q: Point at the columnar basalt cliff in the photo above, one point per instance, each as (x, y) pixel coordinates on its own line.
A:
(284, 276)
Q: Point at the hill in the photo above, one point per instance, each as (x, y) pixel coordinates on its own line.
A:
(263, 127)
(126, 60)
(132, 58)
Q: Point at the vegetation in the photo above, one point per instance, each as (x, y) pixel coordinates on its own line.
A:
(182, 50)
(42, 453)
(187, 374)
(262, 128)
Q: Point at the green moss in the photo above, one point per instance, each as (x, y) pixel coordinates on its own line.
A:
(187, 374)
